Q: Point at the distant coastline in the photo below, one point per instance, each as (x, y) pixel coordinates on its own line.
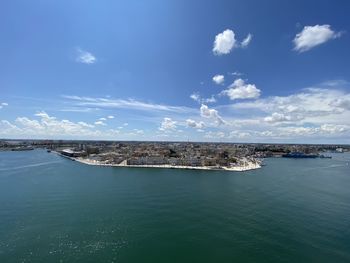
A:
(174, 155)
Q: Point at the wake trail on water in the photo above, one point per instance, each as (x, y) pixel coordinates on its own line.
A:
(327, 167)
(28, 166)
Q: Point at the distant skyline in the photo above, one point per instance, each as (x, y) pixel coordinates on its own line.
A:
(222, 71)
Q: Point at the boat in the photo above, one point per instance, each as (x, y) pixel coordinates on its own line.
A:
(325, 156)
(299, 155)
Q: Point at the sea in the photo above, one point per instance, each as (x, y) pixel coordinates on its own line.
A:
(56, 210)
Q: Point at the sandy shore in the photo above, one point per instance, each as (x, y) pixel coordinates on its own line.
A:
(250, 166)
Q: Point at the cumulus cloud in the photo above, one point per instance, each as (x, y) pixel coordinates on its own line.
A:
(316, 100)
(196, 97)
(193, 124)
(342, 103)
(209, 100)
(219, 79)
(310, 106)
(247, 40)
(32, 124)
(167, 124)
(102, 119)
(277, 117)
(46, 126)
(110, 117)
(100, 123)
(312, 36)
(224, 42)
(212, 114)
(240, 90)
(334, 128)
(324, 130)
(7, 126)
(84, 124)
(85, 57)
(236, 73)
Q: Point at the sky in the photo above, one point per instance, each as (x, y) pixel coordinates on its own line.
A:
(223, 71)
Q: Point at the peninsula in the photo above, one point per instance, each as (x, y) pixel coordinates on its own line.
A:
(173, 155)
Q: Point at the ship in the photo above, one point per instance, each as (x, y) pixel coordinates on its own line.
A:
(299, 155)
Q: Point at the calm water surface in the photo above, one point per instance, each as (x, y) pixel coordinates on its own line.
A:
(56, 210)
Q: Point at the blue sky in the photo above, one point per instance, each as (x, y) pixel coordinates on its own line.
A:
(235, 71)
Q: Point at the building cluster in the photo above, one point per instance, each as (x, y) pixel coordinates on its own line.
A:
(169, 153)
(165, 153)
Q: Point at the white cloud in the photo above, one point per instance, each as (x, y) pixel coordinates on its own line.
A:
(125, 104)
(110, 117)
(3, 104)
(219, 79)
(240, 90)
(312, 105)
(79, 109)
(85, 57)
(312, 36)
(49, 127)
(32, 124)
(332, 128)
(209, 100)
(317, 114)
(84, 124)
(46, 127)
(193, 124)
(5, 125)
(239, 135)
(100, 123)
(43, 115)
(167, 125)
(247, 40)
(138, 132)
(125, 124)
(212, 114)
(277, 117)
(196, 97)
(102, 119)
(215, 135)
(324, 130)
(236, 73)
(342, 103)
(224, 42)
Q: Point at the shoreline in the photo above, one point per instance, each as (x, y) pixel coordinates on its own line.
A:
(165, 166)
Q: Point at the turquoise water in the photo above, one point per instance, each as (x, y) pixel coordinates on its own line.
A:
(56, 210)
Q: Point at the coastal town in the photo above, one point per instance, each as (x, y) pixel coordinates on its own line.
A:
(184, 155)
